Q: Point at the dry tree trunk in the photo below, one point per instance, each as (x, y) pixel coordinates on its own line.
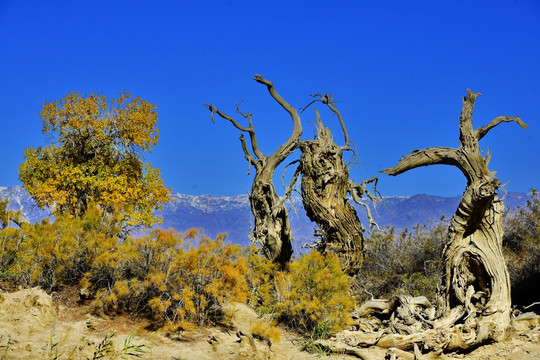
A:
(325, 187)
(474, 301)
(476, 285)
(272, 229)
(325, 183)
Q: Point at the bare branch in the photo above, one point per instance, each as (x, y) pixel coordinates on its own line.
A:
(356, 191)
(376, 196)
(215, 110)
(487, 158)
(305, 107)
(320, 124)
(248, 156)
(316, 97)
(290, 144)
(313, 245)
(482, 131)
(533, 304)
(328, 100)
(285, 170)
(429, 156)
(252, 137)
(466, 132)
(249, 129)
(290, 187)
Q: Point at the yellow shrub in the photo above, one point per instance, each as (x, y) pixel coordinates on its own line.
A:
(60, 253)
(176, 280)
(264, 330)
(312, 293)
(173, 285)
(10, 239)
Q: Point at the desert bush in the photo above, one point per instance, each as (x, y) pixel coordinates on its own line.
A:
(10, 239)
(409, 262)
(59, 253)
(4, 214)
(521, 246)
(172, 284)
(312, 292)
(266, 330)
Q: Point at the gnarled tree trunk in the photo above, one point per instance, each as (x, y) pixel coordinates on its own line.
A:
(476, 285)
(325, 185)
(272, 229)
(325, 189)
(474, 302)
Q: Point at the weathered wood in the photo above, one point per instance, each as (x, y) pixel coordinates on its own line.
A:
(325, 184)
(473, 305)
(476, 277)
(326, 188)
(272, 230)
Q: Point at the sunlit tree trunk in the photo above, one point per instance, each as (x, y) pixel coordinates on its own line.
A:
(476, 285)
(325, 195)
(272, 229)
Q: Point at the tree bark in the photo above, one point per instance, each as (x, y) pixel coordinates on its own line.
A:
(325, 187)
(476, 284)
(272, 229)
(325, 193)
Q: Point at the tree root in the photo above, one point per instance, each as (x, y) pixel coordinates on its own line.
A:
(407, 327)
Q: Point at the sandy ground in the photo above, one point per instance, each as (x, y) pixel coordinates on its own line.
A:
(34, 326)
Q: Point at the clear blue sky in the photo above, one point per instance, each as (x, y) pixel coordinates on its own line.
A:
(397, 69)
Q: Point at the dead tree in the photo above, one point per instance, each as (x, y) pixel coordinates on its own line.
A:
(474, 301)
(325, 188)
(325, 193)
(476, 284)
(272, 229)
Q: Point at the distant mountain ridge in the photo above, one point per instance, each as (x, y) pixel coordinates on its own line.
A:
(232, 214)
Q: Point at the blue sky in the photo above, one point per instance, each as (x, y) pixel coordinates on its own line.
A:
(397, 70)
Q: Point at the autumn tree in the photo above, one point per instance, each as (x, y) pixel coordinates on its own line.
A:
(94, 153)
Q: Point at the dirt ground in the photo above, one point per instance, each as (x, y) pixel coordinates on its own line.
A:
(34, 325)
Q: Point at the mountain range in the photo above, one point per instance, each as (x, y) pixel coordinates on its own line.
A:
(232, 214)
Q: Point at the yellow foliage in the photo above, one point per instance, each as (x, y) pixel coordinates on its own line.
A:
(265, 330)
(10, 239)
(313, 292)
(176, 280)
(180, 285)
(95, 155)
(51, 254)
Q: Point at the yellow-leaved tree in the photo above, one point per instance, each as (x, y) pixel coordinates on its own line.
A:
(94, 153)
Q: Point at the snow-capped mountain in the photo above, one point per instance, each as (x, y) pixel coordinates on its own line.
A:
(19, 199)
(232, 214)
